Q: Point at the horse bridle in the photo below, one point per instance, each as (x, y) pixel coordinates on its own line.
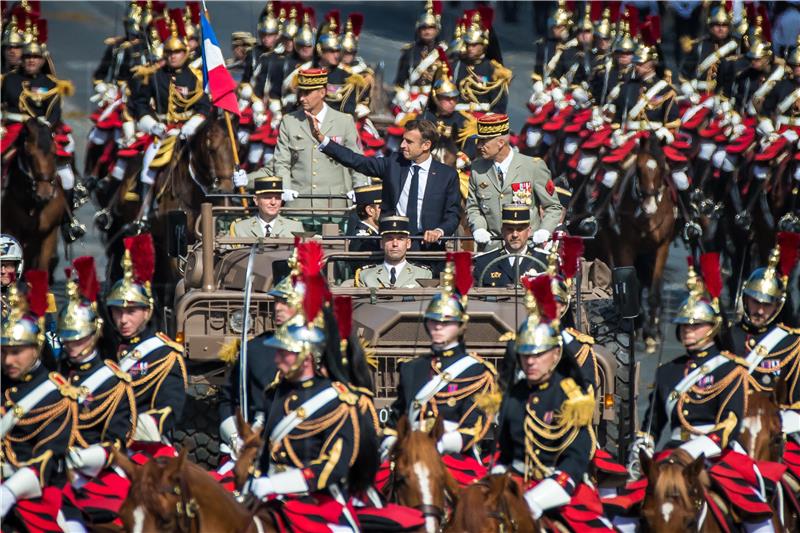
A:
(503, 514)
(427, 510)
(186, 508)
(25, 170)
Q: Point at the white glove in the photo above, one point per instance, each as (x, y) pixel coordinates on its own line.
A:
(481, 236)
(243, 136)
(289, 194)
(702, 445)
(191, 125)
(262, 487)
(580, 96)
(790, 135)
(557, 94)
(259, 119)
(239, 178)
(687, 89)
(258, 107)
(174, 132)
(159, 130)
(88, 461)
(451, 442)
(642, 443)
(361, 111)
(351, 195)
(7, 500)
(146, 429)
(540, 236)
(765, 127)
(149, 125)
(246, 91)
(665, 135)
(386, 445)
(548, 494)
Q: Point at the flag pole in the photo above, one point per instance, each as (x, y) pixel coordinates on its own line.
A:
(231, 136)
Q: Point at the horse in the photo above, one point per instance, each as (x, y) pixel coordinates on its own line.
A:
(675, 500)
(493, 504)
(761, 435)
(643, 229)
(419, 478)
(173, 494)
(34, 204)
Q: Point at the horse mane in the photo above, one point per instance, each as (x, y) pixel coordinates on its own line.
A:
(472, 512)
(44, 136)
(653, 149)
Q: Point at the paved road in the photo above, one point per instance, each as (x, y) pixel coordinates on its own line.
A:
(76, 38)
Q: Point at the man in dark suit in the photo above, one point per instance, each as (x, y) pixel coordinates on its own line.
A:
(414, 184)
(516, 232)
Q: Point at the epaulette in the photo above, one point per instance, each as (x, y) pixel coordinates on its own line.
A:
(423, 267)
(143, 72)
(407, 46)
(507, 336)
(401, 360)
(51, 303)
(112, 41)
(485, 362)
(121, 374)
(64, 87)
(500, 71)
(356, 80)
(345, 394)
(229, 352)
(794, 331)
(66, 389)
(578, 409)
(735, 358)
(581, 337)
(169, 342)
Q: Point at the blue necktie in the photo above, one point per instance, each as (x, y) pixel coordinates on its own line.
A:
(411, 206)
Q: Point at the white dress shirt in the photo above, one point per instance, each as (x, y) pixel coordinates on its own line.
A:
(504, 165)
(397, 269)
(402, 202)
(266, 227)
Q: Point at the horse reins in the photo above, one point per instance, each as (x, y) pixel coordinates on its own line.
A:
(427, 510)
(502, 515)
(33, 179)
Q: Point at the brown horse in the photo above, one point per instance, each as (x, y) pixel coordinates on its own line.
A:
(675, 499)
(644, 228)
(173, 494)
(493, 504)
(33, 204)
(419, 477)
(761, 434)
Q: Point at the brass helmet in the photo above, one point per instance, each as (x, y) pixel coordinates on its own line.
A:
(35, 38)
(78, 319)
(702, 304)
(624, 43)
(443, 85)
(539, 332)
(133, 18)
(306, 35)
(457, 43)
(138, 265)
(478, 30)
(450, 304)
(586, 22)
(432, 17)
(329, 33)
(760, 47)
(352, 31)
(24, 325)
(719, 15)
(562, 16)
(12, 37)
(604, 28)
(175, 43)
(793, 59)
(645, 53)
(288, 22)
(299, 336)
(268, 23)
(768, 284)
(284, 289)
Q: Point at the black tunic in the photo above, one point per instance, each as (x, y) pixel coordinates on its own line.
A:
(153, 96)
(25, 94)
(261, 372)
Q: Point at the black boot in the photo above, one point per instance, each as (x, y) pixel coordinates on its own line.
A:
(147, 203)
(589, 225)
(691, 229)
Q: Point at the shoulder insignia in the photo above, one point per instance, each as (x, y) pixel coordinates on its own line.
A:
(407, 46)
(422, 267)
(345, 394)
(794, 331)
(507, 336)
(485, 362)
(501, 72)
(362, 232)
(581, 337)
(169, 342)
(65, 389)
(578, 408)
(111, 41)
(121, 374)
(741, 361)
(401, 360)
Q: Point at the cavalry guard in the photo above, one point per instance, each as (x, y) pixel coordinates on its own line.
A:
(13, 41)
(262, 374)
(609, 78)
(167, 103)
(448, 382)
(38, 414)
(545, 438)
(700, 398)
(419, 60)
(451, 124)
(549, 51)
(123, 53)
(515, 232)
(153, 360)
(314, 423)
(482, 81)
(709, 58)
(344, 88)
(259, 56)
(106, 407)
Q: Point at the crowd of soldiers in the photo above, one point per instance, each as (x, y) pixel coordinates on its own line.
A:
(304, 99)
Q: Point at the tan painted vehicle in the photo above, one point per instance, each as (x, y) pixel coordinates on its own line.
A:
(208, 313)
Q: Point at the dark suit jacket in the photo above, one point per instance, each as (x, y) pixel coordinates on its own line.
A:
(441, 202)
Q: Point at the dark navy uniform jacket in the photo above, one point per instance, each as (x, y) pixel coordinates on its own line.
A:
(261, 372)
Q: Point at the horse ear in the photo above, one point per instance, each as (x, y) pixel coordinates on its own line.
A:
(438, 429)
(646, 463)
(693, 469)
(403, 428)
(244, 429)
(130, 468)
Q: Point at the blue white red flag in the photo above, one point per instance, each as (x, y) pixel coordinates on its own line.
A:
(217, 81)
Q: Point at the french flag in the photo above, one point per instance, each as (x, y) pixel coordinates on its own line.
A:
(217, 81)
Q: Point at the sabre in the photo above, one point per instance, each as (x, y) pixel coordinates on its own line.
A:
(248, 289)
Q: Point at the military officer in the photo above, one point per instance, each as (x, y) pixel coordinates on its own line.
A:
(258, 55)
(418, 60)
(709, 57)
(548, 51)
(262, 374)
(368, 210)
(298, 162)
(395, 272)
(749, 80)
(11, 263)
(298, 54)
(515, 232)
(268, 222)
(502, 176)
(441, 110)
(616, 70)
(122, 53)
(447, 382)
(167, 103)
(313, 453)
(39, 409)
(546, 436)
(577, 60)
(107, 412)
(241, 44)
(153, 360)
(482, 83)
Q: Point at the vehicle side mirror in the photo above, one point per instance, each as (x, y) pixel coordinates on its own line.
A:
(177, 242)
(626, 291)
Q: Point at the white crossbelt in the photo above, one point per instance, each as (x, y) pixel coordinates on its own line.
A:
(646, 97)
(764, 346)
(439, 382)
(296, 417)
(784, 120)
(23, 407)
(715, 56)
(423, 65)
(692, 378)
(678, 433)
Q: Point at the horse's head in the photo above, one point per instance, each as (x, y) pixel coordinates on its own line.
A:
(761, 433)
(159, 498)
(212, 154)
(675, 492)
(419, 477)
(251, 445)
(495, 503)
(650, 185)
(36, 159)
